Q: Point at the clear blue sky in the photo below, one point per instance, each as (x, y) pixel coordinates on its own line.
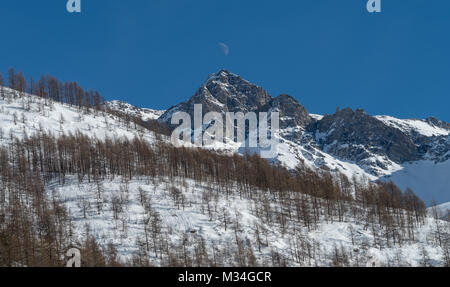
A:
(325, 53)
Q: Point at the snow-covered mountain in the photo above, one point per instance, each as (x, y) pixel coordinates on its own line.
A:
(413, 153)
(194, 216)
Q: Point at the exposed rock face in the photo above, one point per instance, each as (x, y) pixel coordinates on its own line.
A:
(438, 123)
(235, 93)
(436, 148)
(226, 92)
(353, 134)
(292, 113)
(375, 144)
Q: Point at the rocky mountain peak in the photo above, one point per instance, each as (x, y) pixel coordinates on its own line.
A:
(233, 92)
(225, 77)
(371, 142)
(292, 113)
(345, 132)
(225, 92)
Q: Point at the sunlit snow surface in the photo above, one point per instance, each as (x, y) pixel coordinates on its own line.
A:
(29, 115)
(418, 126)
(429, 180)
(181, 222)
(26, 116)
(426, 178)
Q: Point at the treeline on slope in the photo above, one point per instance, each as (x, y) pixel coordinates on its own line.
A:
(94, 159)
(51, 89)
(29, 219)
(30, 162)
(36, 230)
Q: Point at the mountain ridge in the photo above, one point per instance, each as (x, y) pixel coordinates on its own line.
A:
(389, 149)
(114, 204)
(378, 145)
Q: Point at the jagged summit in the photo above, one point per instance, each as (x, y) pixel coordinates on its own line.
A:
(412, 152)
(224, 92)
(347, 131)
(349, 141)
(118, 176)
(233, 92)
(223, 75)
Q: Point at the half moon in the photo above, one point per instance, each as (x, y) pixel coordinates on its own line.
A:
(224, 48)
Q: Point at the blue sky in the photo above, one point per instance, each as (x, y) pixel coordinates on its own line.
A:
(325, 53)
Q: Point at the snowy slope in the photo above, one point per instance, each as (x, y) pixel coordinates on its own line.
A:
(193, 222)
(442, 209)
(142, 113)
(419, 126)
(429, 180)
(28, 115)
(384, 152)
(290, 154)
